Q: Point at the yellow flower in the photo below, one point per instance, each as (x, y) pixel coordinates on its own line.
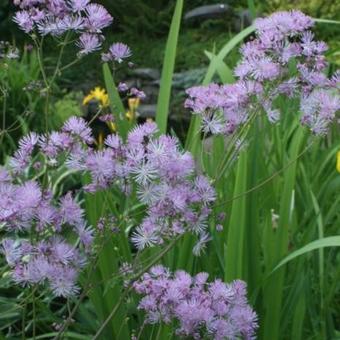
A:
(133, 104)
(98, 94)
(338, 161)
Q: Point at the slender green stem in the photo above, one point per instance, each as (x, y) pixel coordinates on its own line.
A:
(69, 65)
(4, 105)
(226, 160)
(40, 59)
(34, 313)
(57, 68)
(159, 332)
(141, 331)
(23, 322)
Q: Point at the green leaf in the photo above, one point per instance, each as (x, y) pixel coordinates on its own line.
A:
(252, 9)
(225, 51)
(234, 256)
(331, 241)
(168, 69)
(273, 292)
(116, 103)
(222, 68)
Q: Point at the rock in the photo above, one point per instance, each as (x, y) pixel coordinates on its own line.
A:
(151, 92)
(242, 20)
(147, 73)
(186, 79)
(147, 110)
(208, 12)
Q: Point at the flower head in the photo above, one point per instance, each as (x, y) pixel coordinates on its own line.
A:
(99, 95)
(88, 43)
(97, 18)
(117, 52)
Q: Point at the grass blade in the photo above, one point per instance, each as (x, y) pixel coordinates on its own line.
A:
(116, 104)
(238, 38)
(222, 69)
(234, 256)
(168, 69)
(331, 241)
(273, 292)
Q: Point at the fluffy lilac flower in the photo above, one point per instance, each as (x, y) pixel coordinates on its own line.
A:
(50, 25)
(70, 212)
(107, 118)
(46, 215)
(62, 252)
(117, 52)
(223, 108)
(144, 173)
(72, 23)
(85, 235)
(265, 68)
(28, 142)
(141, 133)
(201, 244)
(145, 236)
(29, 195)
(54, 143)
(22, 156)
(4, 175)
(78, 5)
(202, 98)
(88, 43)
(114, 142)
(319, 110)
(63, 282)
(211, 310)
(137, 93)
(122, 87)
(78, 127)
(97, 18)
(281, 24)
(24, 20)
(12, 251)
(204, 190)
(102, 167)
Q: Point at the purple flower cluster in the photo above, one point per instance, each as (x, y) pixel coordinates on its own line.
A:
(160, 174)
(203, 310)
(34, 248)
(283, 60)
(149, 167)
(177, 200)
(59, 16)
